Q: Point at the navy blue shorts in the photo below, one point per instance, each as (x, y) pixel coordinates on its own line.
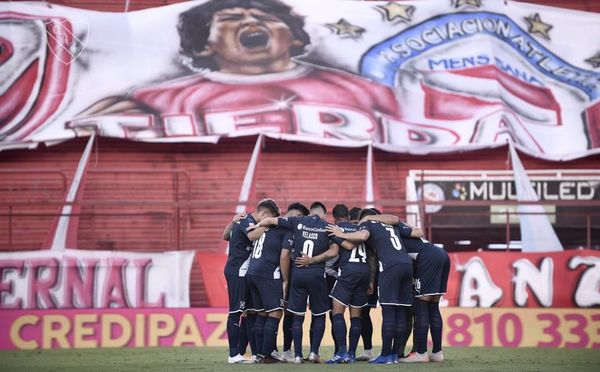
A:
(330, 283)
(350, 289)
(311, 287)
(267, 293)
(431, 273)
(239, 294)
(395, 285)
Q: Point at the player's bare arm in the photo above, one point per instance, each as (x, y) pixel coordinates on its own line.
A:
(236, 218)
(305, 260)
(346, 244)
(372, 260)
(388, 219)
(358, 236)
(416, 233)
(256, 233)
(266, 222)
(284, 267)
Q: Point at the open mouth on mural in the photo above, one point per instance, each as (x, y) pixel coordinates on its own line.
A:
(254, 39)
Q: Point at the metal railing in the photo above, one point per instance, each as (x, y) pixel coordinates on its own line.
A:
(173, 218)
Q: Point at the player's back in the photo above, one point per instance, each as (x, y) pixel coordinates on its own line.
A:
(417, 247)
(239, 245)
(355, 260)
(266, 252)
(310, 238)
(384, 240)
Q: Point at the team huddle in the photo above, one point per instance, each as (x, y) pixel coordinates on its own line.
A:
(278, 265)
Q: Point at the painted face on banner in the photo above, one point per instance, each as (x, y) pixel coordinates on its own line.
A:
(240, 36)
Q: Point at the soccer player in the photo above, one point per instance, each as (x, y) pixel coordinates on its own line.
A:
(430, 283)
(294, 210)
(266, 289)
(354, 215)
(310, 239)
(236, 267)
(395, 278)
(355, 280)
(366, 325)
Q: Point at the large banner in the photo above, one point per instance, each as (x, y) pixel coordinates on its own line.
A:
(507, 279)
(197, 327)
(486, 279)
(94, 279)
(444, 75)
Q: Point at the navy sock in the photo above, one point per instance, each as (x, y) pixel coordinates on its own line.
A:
(401, 331)
(335, 340)
(243, 340)
(435, 324)
(408, 313)
(269, 335)
(297, 334)
(413, 349)
(421, 325)
(339, 333)
(288, 319)
(259, 326)
(355, 329)
(310, 330)
(366, 328)
(233, 333)
(388, 328)
(318, 328)
(250, 320)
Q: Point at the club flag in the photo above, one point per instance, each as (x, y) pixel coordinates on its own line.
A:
(537, 233)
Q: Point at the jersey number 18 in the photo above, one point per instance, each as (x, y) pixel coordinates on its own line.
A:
(258, 246)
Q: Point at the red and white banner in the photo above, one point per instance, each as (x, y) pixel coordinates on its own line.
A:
(507, 279)
(94, 279)
(414, 76)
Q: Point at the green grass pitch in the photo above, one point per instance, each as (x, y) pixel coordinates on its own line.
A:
(214, 359)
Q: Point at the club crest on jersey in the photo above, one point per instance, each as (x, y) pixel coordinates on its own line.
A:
(417, 285)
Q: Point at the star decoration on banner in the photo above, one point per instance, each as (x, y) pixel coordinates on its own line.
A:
(391, 11)
(537, 26)
(594, 60)
(345, 28)
(475, 3)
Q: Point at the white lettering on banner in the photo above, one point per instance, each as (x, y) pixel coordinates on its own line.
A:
(505, 190)
(94, 279)
(477, 287)
(539, 281)
(314, 120)
(119, 126)
(587, 293)
(562, 279)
